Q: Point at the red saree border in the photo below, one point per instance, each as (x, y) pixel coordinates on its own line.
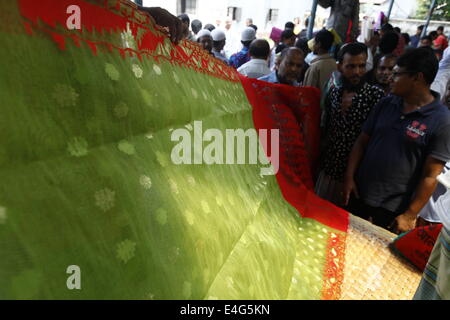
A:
(295, 112)
(151, 43)
(334, 266)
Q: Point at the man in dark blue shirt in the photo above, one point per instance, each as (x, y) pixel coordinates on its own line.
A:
(243, 56)
(402, 149)
(416, 38)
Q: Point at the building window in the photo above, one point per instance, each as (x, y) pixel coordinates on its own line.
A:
(235, 13)
(187, 6)
(272, 16)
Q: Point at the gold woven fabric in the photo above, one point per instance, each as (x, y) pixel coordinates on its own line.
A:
(372, 271)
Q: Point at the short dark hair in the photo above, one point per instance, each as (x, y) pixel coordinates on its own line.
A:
(433, 34)
(440, 28)
(387, 27)
(287, 50)
(398, 30)
(289, 25)
(287, 34)
(302, 44)
(377, 59)
(406, 37)
(426, 38)
(196, 26)
(254, 27)
(421, 60)
(209, 27)
(353, 49)
(259, 49)
(325, 38)
(280, 48)
(421, 27)
(185, 18)
(389, 42)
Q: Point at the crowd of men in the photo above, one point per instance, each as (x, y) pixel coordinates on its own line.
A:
(385, 133)
(385, 120)
(385, 111)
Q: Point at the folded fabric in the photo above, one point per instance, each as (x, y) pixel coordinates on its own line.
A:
(416, 246)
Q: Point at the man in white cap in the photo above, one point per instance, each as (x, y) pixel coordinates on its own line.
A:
(205, 39)
(219, 39)
(243, 56)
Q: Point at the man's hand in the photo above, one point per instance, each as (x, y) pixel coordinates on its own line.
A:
(349, 188)
(404, 223)
(166, 20)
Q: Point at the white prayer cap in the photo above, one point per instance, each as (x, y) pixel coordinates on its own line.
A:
(249, 34)
(218, 35)
(203, 32)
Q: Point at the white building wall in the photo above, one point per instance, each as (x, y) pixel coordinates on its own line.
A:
(169, 5)
(401, 9)
(208, 11)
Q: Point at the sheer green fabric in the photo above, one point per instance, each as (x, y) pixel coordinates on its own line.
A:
(87, 180)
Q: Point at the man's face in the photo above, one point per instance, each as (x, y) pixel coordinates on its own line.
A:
(418, 32)
(206, 42)
(185, 26)
(219, 45)
(353, 68)
(290, 68)
(425, 43)
(228, 24)
(402, 82)
(290, 41)
(384, 71)
(316, 47)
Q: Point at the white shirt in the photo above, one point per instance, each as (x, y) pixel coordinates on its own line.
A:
(233, 44)
(437, 209)
(255, 68)
(443, 75)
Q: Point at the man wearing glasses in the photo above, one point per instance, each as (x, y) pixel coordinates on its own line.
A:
(403, 147)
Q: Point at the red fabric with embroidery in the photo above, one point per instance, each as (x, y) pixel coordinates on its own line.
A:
(416, 245)
(296, 113)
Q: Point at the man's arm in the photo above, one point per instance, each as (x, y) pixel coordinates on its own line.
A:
(407, 221)
(165, 19)
(353, 163)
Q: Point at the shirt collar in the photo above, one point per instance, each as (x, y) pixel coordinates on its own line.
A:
(322, 57)
(274, 75)
(431, 106)
(427, 109)
(244, 50)
(259, 61)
